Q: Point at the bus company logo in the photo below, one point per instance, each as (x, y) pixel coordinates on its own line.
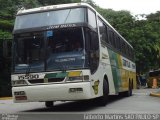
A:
(65, 60)
(95, 87)
(28, 77)
(61, 26)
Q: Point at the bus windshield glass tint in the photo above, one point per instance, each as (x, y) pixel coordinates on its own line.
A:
(65, 49)
(42, 19)
(29, 52)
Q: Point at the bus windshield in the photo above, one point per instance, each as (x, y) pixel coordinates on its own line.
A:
(65, 49)
(41, 19)
(59, 49)
(29, 52)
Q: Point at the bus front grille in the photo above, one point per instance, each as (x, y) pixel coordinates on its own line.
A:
(37, 81)
(55, 79)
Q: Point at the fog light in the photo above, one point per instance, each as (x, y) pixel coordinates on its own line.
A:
(19, 83)
(72, 90)
(78, 78)
(19, 93)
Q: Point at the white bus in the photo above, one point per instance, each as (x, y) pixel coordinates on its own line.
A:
(69, 52)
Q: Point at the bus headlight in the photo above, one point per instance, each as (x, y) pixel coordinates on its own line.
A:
(19, 83)
(78, 78)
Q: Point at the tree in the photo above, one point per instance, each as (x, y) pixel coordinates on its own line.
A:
(143, 35)
(91, 2)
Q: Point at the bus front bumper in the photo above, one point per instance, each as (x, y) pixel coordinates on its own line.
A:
(53, 92)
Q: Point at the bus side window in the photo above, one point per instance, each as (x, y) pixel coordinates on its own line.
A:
(103, 32)
(92, 19)
(127, 50)
(118, 43)
(94, 52)
(114, 40)
(123, 47)
(110, 37)
(107, 35)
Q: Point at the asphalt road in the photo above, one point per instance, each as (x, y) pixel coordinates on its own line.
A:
(139, 103)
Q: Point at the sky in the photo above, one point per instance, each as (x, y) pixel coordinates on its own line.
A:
(134, 6)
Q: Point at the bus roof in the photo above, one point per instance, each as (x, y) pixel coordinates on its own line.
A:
(61, 6)
(51, 7)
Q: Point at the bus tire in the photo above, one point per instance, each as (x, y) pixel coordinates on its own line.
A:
(130, 87)
(49, 104)
(103, 100)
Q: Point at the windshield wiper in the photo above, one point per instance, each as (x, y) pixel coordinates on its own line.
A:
(29, 66)
(67, 16)
(63, 67)
(28, 69)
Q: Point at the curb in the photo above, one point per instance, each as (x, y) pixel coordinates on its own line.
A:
(155, 94)
(5, 98)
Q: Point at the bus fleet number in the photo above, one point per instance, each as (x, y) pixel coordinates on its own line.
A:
(29, 77)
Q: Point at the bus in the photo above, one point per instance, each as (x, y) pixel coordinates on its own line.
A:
(47, 67)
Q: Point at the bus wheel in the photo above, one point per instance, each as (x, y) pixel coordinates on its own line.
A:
(129, 92)
(49, 104)
(104, 99)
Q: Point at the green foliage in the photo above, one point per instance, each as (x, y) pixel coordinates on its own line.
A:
(144, 35)
(92, 3)
(5, 35)
(6, 25)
